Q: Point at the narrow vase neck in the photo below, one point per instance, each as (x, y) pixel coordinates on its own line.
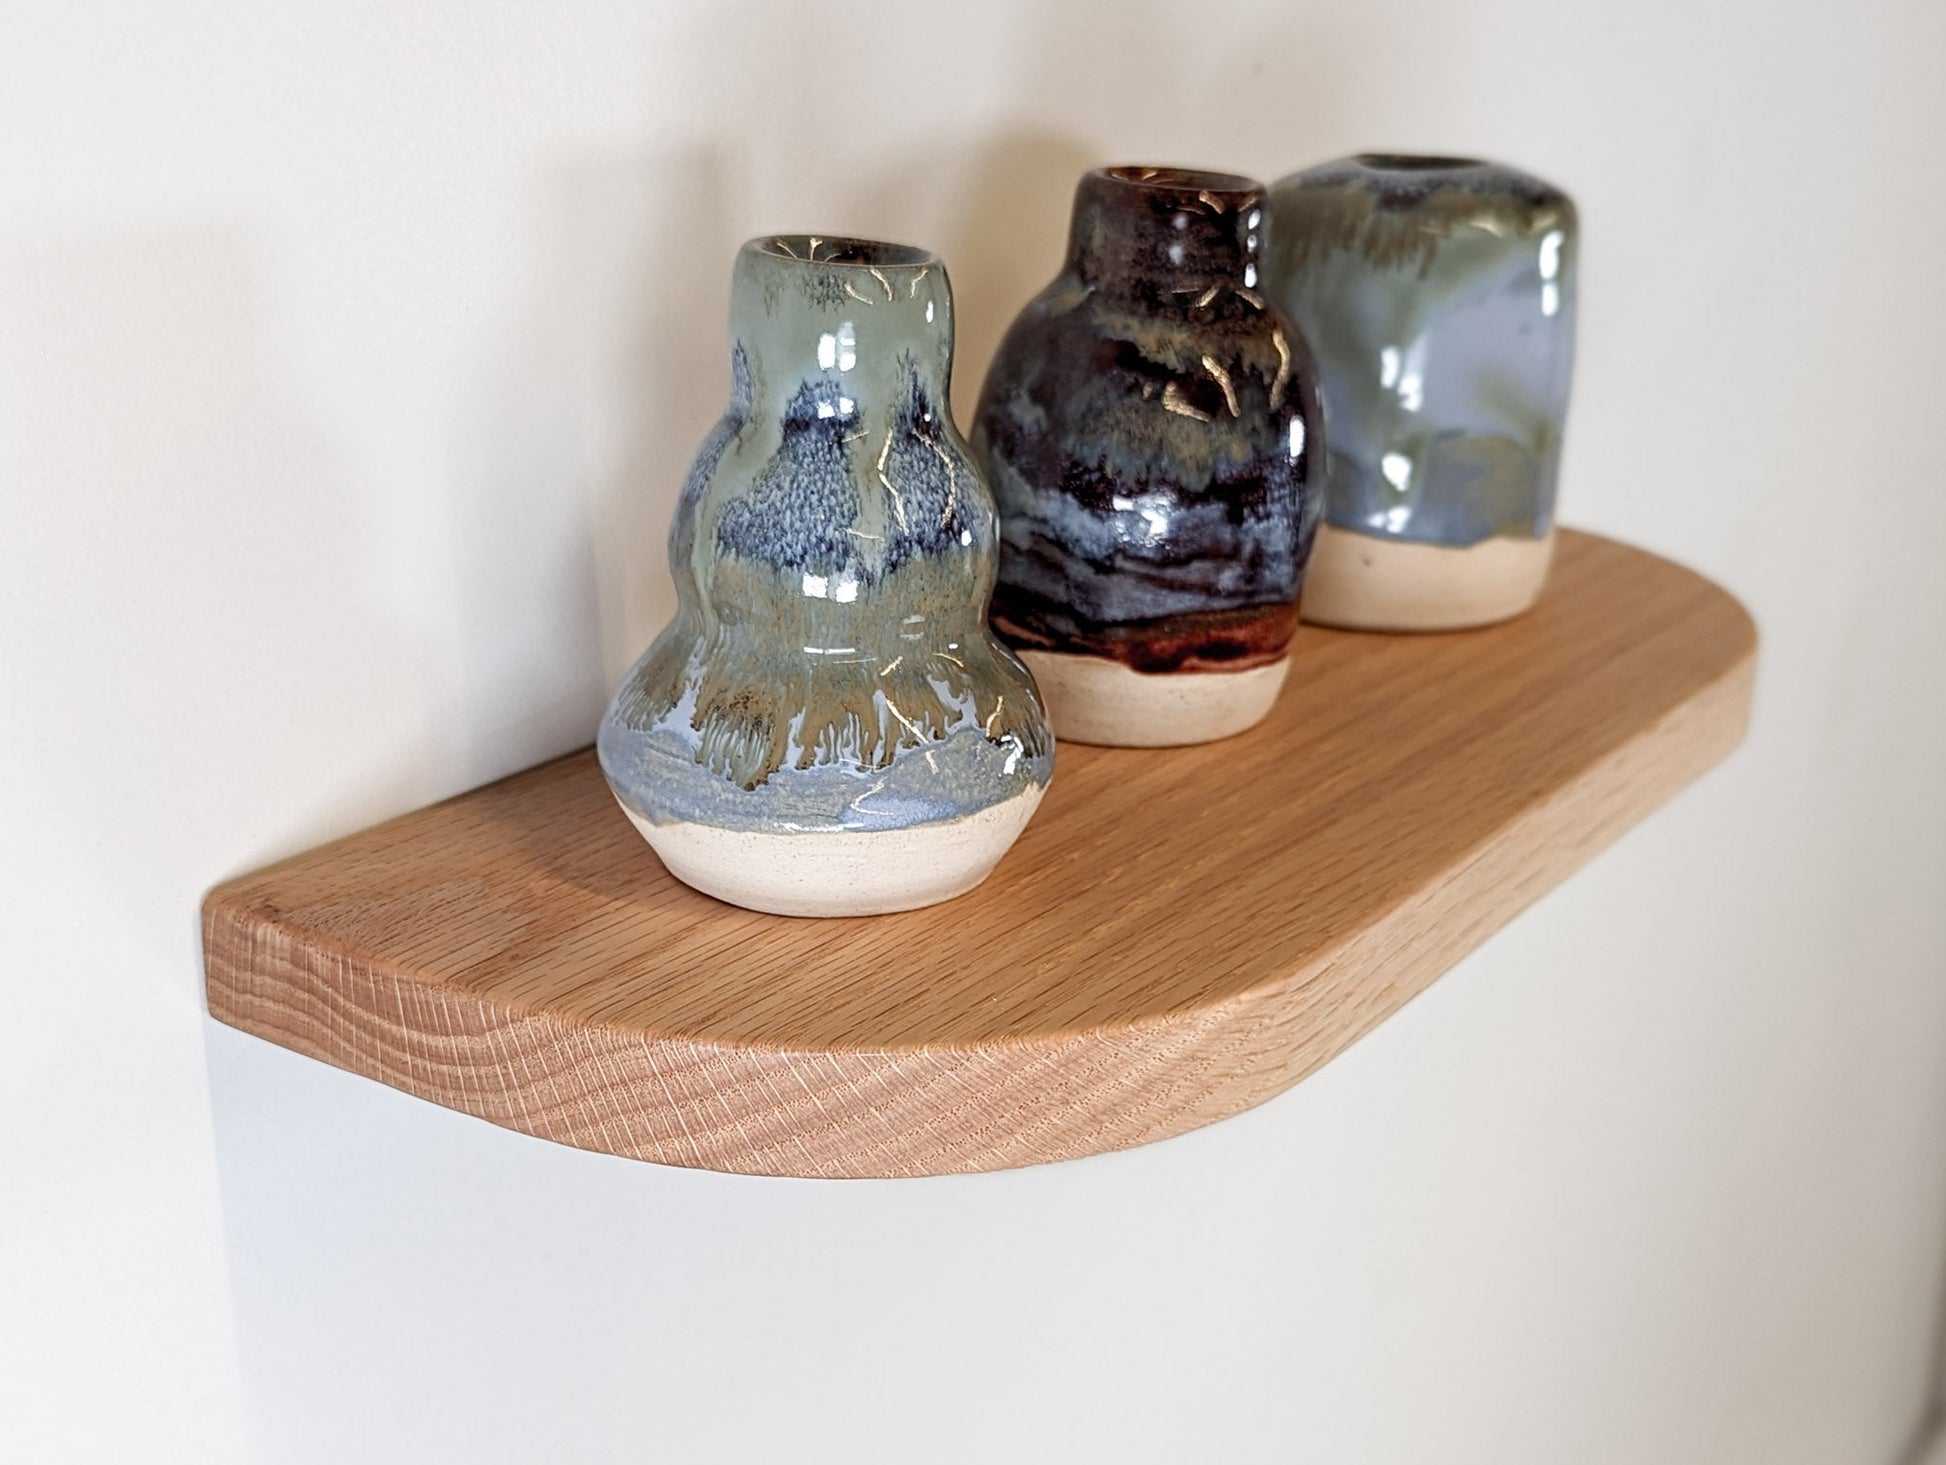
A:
(845, 320)
(1166, 236)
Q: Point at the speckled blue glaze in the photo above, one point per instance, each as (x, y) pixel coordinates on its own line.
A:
(829, 666)
(1438, 298)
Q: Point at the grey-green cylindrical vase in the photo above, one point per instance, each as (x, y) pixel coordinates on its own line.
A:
(827, 727)
(1438, 298)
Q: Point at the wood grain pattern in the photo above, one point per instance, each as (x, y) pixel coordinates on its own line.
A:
(1179, 935)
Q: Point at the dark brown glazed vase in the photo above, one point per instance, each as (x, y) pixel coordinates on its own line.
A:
(1152, 432)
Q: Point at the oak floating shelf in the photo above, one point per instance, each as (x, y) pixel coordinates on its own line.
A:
(1179, 935)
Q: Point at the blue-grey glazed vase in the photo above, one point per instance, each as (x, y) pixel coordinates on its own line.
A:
(828, 727)
(1438, 297)
(1152, 430)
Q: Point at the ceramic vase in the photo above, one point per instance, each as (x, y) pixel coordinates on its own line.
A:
(1438, 296)
(1152, 430)
(828, 727)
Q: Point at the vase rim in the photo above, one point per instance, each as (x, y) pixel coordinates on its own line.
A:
(1157, 178)
(841, 251)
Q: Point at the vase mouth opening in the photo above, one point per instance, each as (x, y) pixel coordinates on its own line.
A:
(834, 251)
(1414, 162)
(1230, 187)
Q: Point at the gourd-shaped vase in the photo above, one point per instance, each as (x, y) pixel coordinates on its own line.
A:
(1438, 295)
(828, 727)
(1152, 430)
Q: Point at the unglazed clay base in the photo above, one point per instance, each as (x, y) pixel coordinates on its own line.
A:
(1362, 582)
(1091, 699)
(848, 873)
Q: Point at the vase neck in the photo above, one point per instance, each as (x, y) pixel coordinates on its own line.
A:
(1166, 236)
(831, 325)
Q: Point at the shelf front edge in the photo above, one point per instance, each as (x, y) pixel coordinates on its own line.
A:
(934, 1109)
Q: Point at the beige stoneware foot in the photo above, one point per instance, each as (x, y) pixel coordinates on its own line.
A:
(1091, 699)
(1362, 582)
(841, 873)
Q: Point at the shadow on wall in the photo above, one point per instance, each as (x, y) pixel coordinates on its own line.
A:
(615, 369)
(667, 382)
(1002, 233)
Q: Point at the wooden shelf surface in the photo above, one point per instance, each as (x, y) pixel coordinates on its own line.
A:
(1178, 935)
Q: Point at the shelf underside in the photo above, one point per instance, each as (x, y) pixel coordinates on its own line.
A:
(1178, 935)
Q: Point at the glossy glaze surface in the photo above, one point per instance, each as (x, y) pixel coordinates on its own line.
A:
(1438, 296)
(830, 666)
(1152, 431)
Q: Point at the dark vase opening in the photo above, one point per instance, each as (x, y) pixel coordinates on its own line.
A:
(833, 250)
(1415, 162)
(1192, 181)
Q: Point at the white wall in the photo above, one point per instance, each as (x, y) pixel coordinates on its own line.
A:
(349, 354)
